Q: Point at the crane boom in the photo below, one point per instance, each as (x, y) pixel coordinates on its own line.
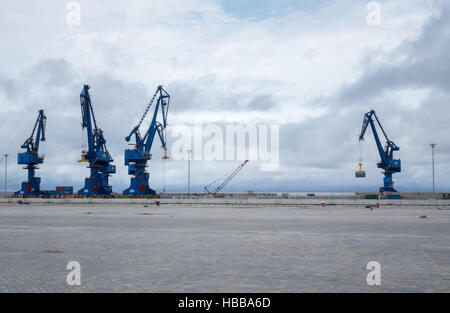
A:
(387, 163)
(31, 157)
(227, 180)
(137, 157)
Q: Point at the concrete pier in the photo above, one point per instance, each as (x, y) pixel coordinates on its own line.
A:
(133, 245)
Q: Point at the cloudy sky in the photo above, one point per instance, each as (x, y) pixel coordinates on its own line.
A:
(311, 67)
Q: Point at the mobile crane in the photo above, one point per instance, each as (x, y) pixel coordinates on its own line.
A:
(98, 157)
(387, 163)
(31, 158)
(226, 181)
(137, 157)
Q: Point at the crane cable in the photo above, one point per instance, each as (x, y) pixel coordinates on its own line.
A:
(360, 152)
(164, 158)
(360, 172)
(164, 176)
(83, 142)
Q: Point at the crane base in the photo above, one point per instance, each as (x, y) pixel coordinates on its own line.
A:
(30, 188)
(139, 187)
(387, 189)
(94, 188)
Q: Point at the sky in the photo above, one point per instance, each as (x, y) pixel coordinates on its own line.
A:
(311, 68)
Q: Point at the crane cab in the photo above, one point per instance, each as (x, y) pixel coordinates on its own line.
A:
(360, 173)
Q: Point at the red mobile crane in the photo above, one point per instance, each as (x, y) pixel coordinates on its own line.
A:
(237, 170)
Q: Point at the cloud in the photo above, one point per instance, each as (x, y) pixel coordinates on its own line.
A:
(417, 64)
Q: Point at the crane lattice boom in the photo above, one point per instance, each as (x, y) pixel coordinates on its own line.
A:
(227, 180)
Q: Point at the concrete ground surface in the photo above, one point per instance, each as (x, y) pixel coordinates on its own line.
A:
(223, 249)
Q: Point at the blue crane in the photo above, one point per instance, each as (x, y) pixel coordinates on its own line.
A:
(388, 163)
(137, 157)
(31, 158)
(97, 155)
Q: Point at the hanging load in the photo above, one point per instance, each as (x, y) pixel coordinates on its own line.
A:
(360, 173)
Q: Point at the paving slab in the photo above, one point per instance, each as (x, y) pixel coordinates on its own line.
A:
(170, 248)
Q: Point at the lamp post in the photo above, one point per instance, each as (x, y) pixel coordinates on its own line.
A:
(189, 171)
(433, 145)
(6, 170)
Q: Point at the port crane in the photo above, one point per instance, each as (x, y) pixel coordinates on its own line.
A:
(226, 181)
(98, 157)
(31, 158)
(137, 157)
(387, 163)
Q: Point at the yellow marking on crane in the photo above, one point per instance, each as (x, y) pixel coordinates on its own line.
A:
(83, 157)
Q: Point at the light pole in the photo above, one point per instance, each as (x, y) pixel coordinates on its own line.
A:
(6, 170)
(189, 171)
(433, 145)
